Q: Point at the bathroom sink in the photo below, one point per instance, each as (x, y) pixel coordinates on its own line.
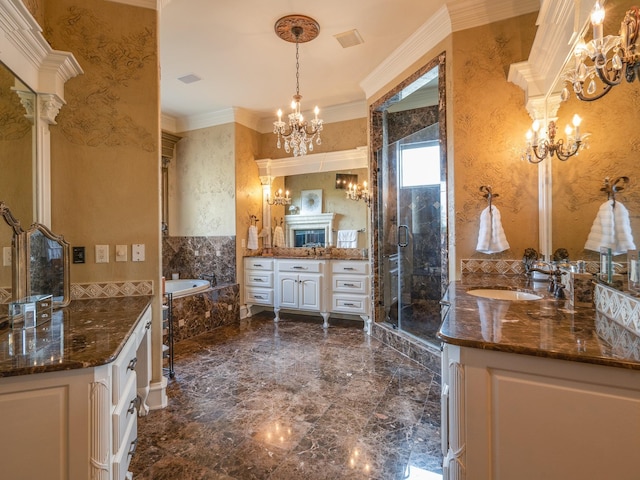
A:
(498, 294)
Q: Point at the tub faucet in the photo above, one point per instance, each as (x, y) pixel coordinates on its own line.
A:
(209, 276)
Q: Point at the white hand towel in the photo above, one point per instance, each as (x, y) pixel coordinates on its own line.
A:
(347, 239)
(491, 237)
(278, 237)
(611, 229)
(252, 242)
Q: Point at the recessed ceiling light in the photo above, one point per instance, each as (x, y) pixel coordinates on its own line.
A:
(349, 39)
(191, 78)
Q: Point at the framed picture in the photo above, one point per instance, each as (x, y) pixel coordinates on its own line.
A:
(344, 179)
(311, 202)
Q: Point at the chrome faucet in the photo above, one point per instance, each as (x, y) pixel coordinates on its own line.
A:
(555, 278)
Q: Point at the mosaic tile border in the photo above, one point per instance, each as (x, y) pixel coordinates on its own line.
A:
(502, 267)
(623, 342)
(82, 291)
(5, 295)
(618, 306)
(426, 355)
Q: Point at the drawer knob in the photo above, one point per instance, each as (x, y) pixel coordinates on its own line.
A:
(258, 279)
(259, 296)
(348, 304)
(349, 285)
(298, 267)
(349, 268)
(132, 363)
(257, 265)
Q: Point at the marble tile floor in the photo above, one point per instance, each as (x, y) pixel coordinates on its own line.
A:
(292, 401)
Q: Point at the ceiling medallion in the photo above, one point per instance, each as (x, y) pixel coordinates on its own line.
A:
(297, 28)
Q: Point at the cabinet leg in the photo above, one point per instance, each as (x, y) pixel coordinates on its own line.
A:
(367, 323)
(277, 317)
(325, 318)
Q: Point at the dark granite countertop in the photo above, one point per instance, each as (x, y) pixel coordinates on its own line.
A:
(545, 328)
(85, 334)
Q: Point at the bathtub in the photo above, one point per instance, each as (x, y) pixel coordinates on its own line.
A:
(186, 287)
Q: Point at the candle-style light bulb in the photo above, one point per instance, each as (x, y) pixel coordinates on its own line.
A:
(316, 111)
(576, 123)
(597, 19)
(279, 115)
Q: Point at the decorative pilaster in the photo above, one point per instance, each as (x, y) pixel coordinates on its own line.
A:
(455, 459)
(100, 430)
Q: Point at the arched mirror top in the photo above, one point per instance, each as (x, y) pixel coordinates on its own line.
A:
(48, 261)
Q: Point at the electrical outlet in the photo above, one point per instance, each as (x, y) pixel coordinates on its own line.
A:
(137, 252)
(121, 253)
(102, 253)
(6, 256)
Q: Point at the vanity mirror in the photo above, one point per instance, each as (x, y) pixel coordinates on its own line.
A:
(40, 262)
(578, 184)
(47, 264)
(310, 174)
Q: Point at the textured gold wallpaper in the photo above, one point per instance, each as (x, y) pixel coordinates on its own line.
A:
(489, 120)
(105, 146)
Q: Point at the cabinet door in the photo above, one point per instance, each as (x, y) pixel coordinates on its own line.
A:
(310, 286)
(288, 290)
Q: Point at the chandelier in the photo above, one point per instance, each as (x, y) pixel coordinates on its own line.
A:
(358, 192)
(279, 199)
(540, 146)
(297, 134)
(605, 60)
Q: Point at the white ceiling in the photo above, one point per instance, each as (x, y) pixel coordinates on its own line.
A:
(231, 45)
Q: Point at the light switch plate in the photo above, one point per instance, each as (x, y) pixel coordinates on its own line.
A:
(102, 253)
(6, 256)
(137, 252)
(121, 253)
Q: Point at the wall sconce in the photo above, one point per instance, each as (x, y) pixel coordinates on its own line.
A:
(610, 57)
(358, 192)
(540, 147)
(278, 199)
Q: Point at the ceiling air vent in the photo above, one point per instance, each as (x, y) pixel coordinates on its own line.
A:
(191, 78)
(349, 39)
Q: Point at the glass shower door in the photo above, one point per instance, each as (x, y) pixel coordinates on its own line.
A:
(412, 199)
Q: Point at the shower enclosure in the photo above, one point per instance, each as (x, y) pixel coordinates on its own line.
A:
(411, 206)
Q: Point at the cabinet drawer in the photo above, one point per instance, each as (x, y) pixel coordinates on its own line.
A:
(124, 411)
(258, 278)
(124, 367)
(258, 296)
(258, 264)
(352, 284)
(127, 449)
(301, 266)
(350, 266)
(356, 304)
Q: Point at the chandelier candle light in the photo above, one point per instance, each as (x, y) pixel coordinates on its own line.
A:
(539, 147)
(298, 135)
(278, 199)
(605, 60)
(358, 192)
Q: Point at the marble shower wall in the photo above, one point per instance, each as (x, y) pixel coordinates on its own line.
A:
(192, 257)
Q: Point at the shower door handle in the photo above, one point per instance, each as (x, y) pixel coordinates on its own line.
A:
(406, 235)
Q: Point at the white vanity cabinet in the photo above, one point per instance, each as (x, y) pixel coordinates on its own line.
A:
(507, 416)
(79, 423)
(350, 290)
(299, 285)
(258, 281)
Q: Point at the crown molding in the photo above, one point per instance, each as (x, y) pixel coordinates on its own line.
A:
(467, 14)
(152, 4)
(432, 32)
(560, 27)
(315, 163)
